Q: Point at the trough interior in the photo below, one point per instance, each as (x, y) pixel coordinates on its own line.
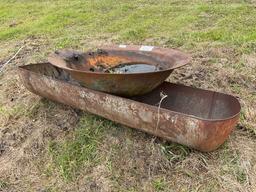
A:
(187, 100)
(193, 101)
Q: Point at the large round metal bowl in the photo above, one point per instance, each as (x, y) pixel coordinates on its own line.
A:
(84, 67)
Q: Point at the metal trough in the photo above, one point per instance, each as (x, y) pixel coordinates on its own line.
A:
(194, 117)
(90, 68)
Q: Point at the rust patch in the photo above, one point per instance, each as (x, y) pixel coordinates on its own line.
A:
(106, 61)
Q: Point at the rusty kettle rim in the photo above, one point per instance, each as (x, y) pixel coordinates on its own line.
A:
(171, 58)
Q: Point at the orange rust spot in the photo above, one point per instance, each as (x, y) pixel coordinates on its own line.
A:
(107, 61)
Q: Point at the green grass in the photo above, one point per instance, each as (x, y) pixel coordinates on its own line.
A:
(14, 112)
(159, 185)
(81, 150)
(231, 164)
(175, 152)
(184, 23)
(3, 185)
(25, 110)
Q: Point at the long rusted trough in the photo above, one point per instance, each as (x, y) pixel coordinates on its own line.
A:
(194, 117)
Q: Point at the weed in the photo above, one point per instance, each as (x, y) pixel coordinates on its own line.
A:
(175, 152)
(3, 185)
(14, 112)
(159, 184)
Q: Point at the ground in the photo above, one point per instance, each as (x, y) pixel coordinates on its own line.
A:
(46, 146)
